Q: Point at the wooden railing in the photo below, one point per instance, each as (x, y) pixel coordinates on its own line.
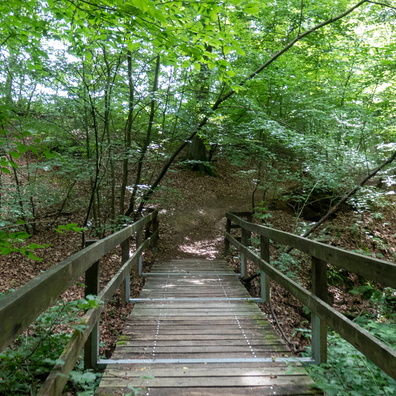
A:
(323, 314)
(20, 308)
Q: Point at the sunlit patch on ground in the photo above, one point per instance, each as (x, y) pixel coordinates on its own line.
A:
(203, 248)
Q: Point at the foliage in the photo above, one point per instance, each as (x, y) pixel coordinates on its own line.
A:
(74, 83)
(348, 372)
(85, 381)
(15, 242)
(287, 264)
(69, 227)
(25, 365)
(261, 213)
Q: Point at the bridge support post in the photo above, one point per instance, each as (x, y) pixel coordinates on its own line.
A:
(264, 278)
(226, 241)
(126, 284)
(91, 348)
(155, 226)
(139, 241)
(319, 327)
(245, 242)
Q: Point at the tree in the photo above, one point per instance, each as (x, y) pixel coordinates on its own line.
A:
(313, 94)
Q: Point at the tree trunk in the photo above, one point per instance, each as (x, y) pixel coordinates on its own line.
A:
(127, 134)
(147, 142)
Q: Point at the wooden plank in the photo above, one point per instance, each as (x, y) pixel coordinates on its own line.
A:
(201, 337)
(209, 355)
(244, 321)
(228, 333)
(201, 371)
(189, 382)
(189, 347)
(284, 390)
(296, 390)
(213, 325)
(194, 342)
(210, 369)
(182, 308)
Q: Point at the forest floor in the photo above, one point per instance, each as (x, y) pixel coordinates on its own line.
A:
(192, 211)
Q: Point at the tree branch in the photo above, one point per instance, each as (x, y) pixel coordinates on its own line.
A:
(346, 197)
(222, 99)
(286, 48)
(382, 4)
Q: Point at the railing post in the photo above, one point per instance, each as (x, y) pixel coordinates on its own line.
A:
(244, 242)
(264, 278)
(91, 348)
(226, 241)
(126, 285)
(155, 226)
(139, 241)
(319, 327)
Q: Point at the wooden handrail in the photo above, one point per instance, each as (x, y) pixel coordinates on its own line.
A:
(380, 271)
(378, 352)
(57, 379)
(20, 308)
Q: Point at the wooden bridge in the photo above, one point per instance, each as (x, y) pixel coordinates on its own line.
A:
(195, 330)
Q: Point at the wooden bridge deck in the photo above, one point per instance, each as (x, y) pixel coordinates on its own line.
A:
(195, 332)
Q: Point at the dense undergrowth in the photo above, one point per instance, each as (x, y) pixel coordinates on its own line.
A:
(26, 364)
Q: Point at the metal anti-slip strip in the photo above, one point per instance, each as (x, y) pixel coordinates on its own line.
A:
(191, 274)
(136, 300)
(205, 361)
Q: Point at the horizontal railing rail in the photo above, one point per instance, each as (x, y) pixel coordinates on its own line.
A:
(316, 300)
(20, 308)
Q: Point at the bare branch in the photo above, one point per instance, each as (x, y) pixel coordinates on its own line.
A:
(383, 4)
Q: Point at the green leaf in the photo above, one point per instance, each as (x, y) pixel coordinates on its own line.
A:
(132, 46)
(252, 8)
(69, 227)
(15, 154)
(5, 170)
(237, 88)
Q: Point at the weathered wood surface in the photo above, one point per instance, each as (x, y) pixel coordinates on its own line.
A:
(371, 268)
(203, 333)
(374, 349)
(20, 308)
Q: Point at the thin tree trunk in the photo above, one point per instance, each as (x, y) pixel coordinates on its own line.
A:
(148, 139)
(20, 199)
(110, 82)
(95, 180)
(127, 134)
